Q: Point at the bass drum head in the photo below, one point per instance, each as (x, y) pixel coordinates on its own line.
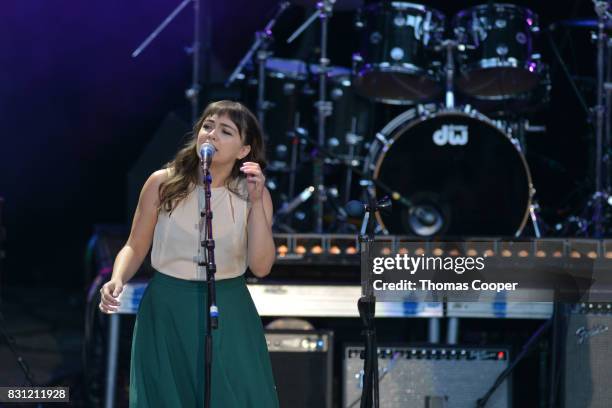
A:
(462, 174)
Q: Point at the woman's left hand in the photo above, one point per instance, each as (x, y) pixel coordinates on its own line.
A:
(255, 180)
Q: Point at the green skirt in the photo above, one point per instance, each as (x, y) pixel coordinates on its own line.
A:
(167, 367)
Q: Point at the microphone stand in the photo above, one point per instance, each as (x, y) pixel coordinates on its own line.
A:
(207, 247)
(367, 311)
(529, 345)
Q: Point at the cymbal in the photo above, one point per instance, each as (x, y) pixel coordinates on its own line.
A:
(339, 5)
(584, 23)
(298, 69)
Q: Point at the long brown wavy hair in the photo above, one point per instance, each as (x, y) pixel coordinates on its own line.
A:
(184, 168)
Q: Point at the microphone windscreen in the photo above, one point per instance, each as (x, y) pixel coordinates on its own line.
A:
(355, 208)
(207, 151)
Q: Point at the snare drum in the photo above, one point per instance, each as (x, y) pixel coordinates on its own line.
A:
(397, 63)
(453, 173)
(500, 60)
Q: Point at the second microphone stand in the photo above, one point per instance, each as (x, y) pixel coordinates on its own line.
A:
(207, 260)
(367, 306)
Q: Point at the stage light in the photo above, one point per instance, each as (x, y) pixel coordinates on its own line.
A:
(540, 254)
(300, 249)
(437, 251)
(335, 250)
(317, 249)
(506, 253)
(351, 250)
(282, 250)
(523, 253)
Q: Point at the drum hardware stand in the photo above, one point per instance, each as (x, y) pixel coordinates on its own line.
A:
(352, 140)
(295, 135)
(193, 92)
(324, 107)
(593, 221)
(517, 132)
(365, 181)
(534, 211)
(288, 207)
(602, 110)
(330, 195)
(449, 68)
(263, 39)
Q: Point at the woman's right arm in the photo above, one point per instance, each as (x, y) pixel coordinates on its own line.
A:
(132, 255)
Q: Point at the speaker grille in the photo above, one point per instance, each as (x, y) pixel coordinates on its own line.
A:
(588, 357)
(427, 377)
(302, 367)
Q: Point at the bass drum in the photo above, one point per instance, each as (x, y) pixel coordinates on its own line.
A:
(451, 173)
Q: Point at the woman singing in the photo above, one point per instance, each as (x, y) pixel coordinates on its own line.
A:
(167, 367)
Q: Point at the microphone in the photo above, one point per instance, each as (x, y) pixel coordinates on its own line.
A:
(207, 151)
(356, 208)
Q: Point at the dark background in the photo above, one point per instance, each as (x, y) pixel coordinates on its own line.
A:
(76, 111)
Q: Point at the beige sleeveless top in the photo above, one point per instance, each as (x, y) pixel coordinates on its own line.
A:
(176, 238)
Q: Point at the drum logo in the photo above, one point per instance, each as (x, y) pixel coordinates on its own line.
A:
(456, 135)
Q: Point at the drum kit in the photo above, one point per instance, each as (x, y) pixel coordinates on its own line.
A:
(432, 113)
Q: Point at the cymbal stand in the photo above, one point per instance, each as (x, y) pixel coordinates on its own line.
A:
(324, 107)
(602, 191)
(259, 46)
(593, 221)
(193, 92)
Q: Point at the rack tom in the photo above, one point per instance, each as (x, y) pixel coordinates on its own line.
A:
(397, 63)
(500, 59)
